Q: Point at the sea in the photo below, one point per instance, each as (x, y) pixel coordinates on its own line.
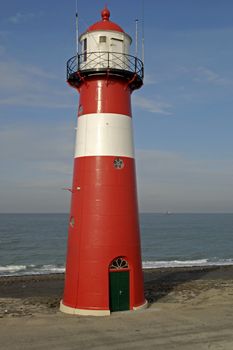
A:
(36, 243)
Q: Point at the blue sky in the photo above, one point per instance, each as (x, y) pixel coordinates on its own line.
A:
(183, 118)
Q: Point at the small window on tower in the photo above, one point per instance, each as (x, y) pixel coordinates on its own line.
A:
(85, 49)
(102, 39)
(118, 163)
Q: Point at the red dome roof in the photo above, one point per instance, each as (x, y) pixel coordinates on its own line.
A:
(105, 24)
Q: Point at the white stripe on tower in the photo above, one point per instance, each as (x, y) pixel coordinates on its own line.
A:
(104, 134)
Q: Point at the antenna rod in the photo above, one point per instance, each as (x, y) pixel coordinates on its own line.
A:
(136, 37)
(143, 41)
(143, 49)
(76, 23)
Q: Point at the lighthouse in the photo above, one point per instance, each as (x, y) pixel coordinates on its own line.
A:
(103, 265)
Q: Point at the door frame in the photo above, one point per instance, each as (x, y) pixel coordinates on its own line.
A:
(119, 265)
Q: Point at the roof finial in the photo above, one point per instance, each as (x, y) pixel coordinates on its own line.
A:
(105, 13)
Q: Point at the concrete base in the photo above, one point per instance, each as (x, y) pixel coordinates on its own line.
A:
(141, 307)
(87, 312)
(83, 312)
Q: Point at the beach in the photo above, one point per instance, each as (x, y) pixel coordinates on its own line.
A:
(189, 308)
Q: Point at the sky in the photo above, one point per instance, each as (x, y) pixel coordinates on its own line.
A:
(182, 116)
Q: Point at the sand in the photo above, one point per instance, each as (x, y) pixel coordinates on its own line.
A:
(190, 308)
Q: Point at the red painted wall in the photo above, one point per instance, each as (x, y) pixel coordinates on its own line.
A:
(104, 209)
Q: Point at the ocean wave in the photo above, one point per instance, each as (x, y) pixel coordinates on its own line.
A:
(12, 268)
(19, 270)
(186, 263)
(51, 269)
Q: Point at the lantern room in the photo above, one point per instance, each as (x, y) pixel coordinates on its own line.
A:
(104, 45)
(105, 48)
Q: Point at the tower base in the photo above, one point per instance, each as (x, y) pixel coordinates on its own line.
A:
(89, 312)
(141, 307)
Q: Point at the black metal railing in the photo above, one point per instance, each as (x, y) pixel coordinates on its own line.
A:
(114, 62)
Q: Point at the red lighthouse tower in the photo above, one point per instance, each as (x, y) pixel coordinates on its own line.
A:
(103, 268)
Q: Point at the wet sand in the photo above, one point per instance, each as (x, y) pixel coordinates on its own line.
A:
(189, 308)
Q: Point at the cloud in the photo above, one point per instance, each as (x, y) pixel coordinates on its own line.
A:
(46, 99)
(178, 183)
(20, 17)
(149, 80)
(36, 141)
(152, 106)
(31, 86)
(205, 75)
(36, 163)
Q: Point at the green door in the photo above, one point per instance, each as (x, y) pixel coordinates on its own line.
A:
(119, 291)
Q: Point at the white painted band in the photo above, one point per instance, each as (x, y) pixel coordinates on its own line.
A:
(84, 312)
(104, 134)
